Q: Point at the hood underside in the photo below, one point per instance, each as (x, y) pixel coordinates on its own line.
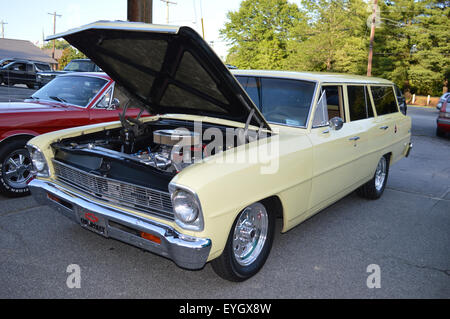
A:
(167, 69)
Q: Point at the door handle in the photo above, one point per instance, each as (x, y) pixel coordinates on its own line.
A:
(355, 138)
(384, 128)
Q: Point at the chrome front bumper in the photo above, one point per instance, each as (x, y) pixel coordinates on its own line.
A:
(187, 252)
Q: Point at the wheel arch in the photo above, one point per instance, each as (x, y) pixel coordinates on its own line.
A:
(18, 136)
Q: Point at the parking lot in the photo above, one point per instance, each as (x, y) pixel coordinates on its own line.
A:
(16, 93)
(406, 233)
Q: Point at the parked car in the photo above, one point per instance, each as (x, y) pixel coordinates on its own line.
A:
(6, 61)
(401, 100)
(76, 65)
(227, 153)
(442, 99)
(21, 72)
(69, 100)
(443, 120)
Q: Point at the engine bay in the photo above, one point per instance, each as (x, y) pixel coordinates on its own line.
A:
(166, 145)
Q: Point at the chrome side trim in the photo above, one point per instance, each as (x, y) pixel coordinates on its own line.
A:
(186, 251)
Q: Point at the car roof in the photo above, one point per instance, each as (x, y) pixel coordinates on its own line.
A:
(89, 60)
(24, 61)
(90, 74)
(314, 76)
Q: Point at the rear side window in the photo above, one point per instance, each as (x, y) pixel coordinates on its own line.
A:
(359, 103)
(384, 99)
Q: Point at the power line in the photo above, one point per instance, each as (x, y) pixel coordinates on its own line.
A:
(54, 29)
(167, 9)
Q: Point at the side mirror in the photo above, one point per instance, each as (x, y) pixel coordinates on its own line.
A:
(115, 104)
(336, 123)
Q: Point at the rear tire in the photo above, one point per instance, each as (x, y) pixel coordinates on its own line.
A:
(15, 168)
(439, 133)
(374, 188)
(248, 244)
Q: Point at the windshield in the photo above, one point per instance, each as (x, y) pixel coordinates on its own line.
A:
(42, 67)
(80, 66)
(5, 62)
(281, 101)
(76, 90)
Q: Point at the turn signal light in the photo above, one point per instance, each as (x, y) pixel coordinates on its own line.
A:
(151, 237)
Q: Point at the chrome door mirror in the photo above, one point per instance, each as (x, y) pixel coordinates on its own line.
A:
(336, 123)
(115, 104)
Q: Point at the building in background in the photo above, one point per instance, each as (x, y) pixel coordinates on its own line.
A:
(25, 50)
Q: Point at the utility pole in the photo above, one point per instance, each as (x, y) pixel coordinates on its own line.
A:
(201, 14)
(167, 9)
(3, 28)
(54, 30)
(372, 37)
(140, 10)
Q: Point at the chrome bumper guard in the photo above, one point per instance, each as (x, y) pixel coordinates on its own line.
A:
(186, 251)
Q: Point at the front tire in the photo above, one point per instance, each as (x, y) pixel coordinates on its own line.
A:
(248, 244)
(15, 169)
(374, 188)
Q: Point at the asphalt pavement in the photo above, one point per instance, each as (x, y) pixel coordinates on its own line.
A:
(406, 234)
(15, 93)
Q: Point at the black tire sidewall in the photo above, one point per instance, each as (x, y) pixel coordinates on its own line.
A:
(5, 151)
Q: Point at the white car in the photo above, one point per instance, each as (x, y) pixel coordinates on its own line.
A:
(442, 100)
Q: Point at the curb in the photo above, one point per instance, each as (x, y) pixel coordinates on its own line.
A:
(423, 106)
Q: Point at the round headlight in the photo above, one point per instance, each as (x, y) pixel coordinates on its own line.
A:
(39, 162)
(185, 206)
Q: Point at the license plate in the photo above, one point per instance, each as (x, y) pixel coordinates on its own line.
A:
(92, 221)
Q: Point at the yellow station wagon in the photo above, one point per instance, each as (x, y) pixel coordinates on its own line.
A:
(224, 154)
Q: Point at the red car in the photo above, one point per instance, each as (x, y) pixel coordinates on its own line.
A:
(443, 120)
(67, 101)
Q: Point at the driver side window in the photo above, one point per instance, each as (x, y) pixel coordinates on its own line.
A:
(115, 92)
(330, 105)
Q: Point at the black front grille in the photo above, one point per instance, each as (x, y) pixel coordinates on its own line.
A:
(144, 199)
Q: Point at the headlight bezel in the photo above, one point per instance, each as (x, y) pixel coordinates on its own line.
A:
(38, 160)
(195, 224)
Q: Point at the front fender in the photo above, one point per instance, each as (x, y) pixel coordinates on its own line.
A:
(228, 182)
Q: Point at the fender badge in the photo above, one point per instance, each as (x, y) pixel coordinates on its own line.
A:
(395, 129)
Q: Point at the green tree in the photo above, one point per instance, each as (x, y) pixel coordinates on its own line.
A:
(59, 44)
(412, 39)
(68, 55)
(334, 39)
(259, 33)
(412, 45)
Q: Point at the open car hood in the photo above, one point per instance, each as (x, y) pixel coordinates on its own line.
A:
(168, 69)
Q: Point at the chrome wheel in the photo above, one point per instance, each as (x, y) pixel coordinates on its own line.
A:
(17, 169)
(250, 234)
(380, 174)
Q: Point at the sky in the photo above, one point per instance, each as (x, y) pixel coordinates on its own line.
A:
(29, 19)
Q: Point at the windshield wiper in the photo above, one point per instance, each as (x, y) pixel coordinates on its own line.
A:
(59, 99)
